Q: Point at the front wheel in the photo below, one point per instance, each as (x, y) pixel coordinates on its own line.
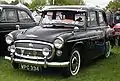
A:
(74, 65)
(119, 41)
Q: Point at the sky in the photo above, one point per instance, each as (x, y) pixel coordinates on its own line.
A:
(101, 3)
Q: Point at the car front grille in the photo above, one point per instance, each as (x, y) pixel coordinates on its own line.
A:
(32, 48)
(29, 52)
(35, 45)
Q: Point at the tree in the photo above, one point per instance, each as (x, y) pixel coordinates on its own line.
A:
(38, 3)
(3, 2)
(14, 2)
(67, 2)
(113, 5)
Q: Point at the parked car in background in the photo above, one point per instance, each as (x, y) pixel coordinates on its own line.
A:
(12, 18)
(67, 36)
(114, 22)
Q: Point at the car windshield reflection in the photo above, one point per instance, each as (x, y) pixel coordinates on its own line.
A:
(63, 18)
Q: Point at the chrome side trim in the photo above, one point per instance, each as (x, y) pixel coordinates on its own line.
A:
(29, 57)
(39, 63)
(84, 39)
(29, 49)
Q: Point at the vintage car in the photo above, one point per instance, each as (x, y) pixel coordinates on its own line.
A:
(67, 37)
(13, 17)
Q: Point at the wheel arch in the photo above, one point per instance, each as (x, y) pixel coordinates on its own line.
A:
(81, 47)
(78, 44)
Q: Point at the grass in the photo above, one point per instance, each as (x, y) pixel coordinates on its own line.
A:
(101, 70)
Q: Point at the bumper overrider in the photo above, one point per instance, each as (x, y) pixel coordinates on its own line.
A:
(43, 63)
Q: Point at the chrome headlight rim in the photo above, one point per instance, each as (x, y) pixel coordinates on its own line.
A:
(58, 45)
(9, 39)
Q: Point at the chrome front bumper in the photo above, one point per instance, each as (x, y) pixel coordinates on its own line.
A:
(39, 63)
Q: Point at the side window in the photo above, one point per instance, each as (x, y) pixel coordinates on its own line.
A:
(101, 19)
(93, 19)
(9, 15)
(24, 17)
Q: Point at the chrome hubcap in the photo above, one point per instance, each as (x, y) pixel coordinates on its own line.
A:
(108, 48)
(75, 63)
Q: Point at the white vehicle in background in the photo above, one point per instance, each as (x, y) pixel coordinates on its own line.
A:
(36, 16)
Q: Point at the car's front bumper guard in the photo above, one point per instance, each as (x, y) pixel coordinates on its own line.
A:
(39, 63)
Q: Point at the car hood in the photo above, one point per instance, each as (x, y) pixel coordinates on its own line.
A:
(43, 34)
(117, 25)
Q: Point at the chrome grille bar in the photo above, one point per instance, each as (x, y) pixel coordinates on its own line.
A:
(31, 41)
(29, 57)
(22, 48)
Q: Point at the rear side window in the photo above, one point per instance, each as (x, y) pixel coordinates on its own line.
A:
(24, 17)
(93, 19)
(101, 19)
(8, 15)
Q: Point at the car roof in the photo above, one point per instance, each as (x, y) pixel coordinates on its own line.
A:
(17, 8)
(71, 7)
(13, 6)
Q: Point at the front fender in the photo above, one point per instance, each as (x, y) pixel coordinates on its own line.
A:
(15, 33)
(78, 44)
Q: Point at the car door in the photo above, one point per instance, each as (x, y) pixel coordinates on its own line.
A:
(25, 20)
(8, 20)
(95, 35)
(91, 34)
(103, 27)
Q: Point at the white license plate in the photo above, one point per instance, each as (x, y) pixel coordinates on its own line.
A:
(30, 67)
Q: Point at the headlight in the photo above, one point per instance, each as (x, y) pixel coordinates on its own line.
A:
(58, 43)
(9, 39)
(46, 51)
(11, 48)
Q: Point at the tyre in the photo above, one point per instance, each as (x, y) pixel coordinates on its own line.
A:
(15, 65)
(74, 65)
(107, 49)
(119, 42)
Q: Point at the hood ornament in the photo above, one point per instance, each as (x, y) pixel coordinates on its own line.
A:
(31, 35)
(31, 45)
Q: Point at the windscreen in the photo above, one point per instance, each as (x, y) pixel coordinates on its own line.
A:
(63, 18)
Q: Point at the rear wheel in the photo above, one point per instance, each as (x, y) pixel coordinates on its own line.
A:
(107, 49)
(119, 41)
(74, 65)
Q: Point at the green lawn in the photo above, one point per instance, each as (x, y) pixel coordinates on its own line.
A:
(102, 70)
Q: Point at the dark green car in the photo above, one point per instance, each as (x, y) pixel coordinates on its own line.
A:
(67, 36)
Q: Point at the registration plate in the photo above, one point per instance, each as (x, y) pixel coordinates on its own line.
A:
(30, 67)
